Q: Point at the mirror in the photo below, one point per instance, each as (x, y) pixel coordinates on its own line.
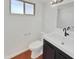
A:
(65, 16)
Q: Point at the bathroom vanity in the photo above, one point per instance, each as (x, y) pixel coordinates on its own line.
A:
(57, 47)
(52, 52)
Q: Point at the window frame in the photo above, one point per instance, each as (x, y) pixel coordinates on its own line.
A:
(23, 9)
(33, 8)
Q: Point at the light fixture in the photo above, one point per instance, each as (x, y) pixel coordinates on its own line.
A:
(25, 0)
(55, 2)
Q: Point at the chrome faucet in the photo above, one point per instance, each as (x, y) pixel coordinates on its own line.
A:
(65, 31)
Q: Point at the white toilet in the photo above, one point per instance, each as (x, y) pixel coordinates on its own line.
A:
(36, 48)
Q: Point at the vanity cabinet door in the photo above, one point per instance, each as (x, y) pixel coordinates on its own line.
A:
(48, 51)
(59, 56)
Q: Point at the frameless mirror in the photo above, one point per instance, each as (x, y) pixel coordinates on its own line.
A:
(66, 16)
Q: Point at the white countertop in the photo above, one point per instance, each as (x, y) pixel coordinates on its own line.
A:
(56, 40)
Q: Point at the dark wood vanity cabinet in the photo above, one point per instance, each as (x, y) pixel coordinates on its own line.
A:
(48, 51)
(52, 52)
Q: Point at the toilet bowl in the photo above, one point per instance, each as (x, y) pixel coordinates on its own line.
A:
(36, 48)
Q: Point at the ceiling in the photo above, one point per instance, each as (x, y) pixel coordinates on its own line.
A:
(47, 1)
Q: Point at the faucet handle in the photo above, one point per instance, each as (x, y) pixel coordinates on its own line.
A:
(64, 29)
(68, 28)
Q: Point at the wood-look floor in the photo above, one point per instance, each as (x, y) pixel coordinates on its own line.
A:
(25, 55)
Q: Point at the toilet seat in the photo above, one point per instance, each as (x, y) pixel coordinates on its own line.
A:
(36, 44)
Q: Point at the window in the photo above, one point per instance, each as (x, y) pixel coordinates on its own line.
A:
(20, 7)
(29, 8)
(17, 7)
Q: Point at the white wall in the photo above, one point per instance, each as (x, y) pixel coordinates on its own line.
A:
(21, 30)
(50, 19)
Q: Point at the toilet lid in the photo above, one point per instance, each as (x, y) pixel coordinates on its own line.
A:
(36, 44)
